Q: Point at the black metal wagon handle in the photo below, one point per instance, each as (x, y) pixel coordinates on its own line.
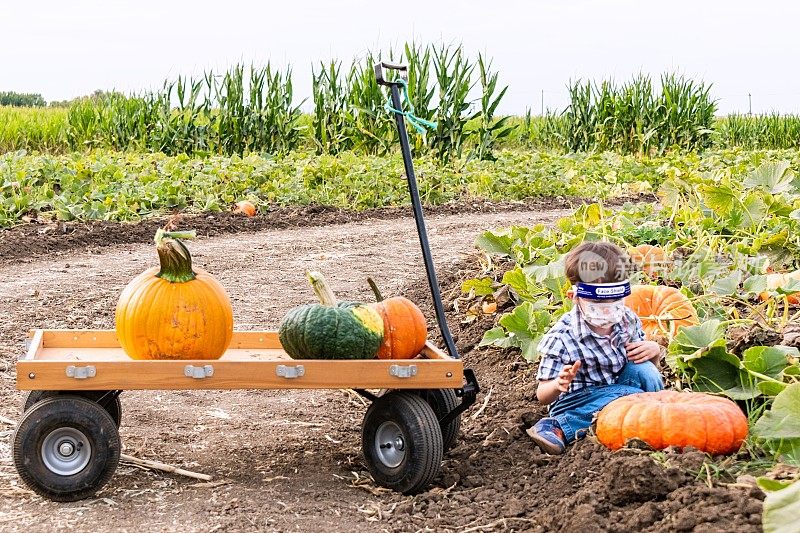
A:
(397, 104)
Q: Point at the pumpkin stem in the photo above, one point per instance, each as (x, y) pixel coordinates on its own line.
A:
(375, 290)
(320, 286)
(176, 261)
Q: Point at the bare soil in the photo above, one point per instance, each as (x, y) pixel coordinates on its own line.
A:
(285, 461)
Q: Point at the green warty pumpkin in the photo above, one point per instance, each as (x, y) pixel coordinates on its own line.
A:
(328, 330)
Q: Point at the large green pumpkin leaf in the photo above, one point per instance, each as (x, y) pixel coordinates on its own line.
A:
(781, 510)
(772, 177)
(718, 371)
(780, 426)
(521, 284)
(768, 360)
(727, 285)
(782, 421)
(481, 286)
(693, 341)
(495, 242)
(792, 286)
(525, 325)
(756, 209)
(497, 337)
(755, 284)
(720, 198)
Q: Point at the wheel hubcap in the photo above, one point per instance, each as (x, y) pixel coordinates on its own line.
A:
(390, 444)
(66, 451)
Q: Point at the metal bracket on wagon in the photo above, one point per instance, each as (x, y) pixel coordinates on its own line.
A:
(198, 372)
(290, 372)
(403, 371)
(81, 372)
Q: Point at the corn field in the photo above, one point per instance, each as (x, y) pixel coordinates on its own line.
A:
(635, 117)
(255, 110)
(752, 132)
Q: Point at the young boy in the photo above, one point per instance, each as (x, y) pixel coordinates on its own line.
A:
(596, 352)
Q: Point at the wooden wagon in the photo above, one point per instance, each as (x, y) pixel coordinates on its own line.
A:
(67, 444)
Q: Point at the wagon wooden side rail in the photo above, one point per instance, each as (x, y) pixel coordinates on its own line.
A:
(93, 360)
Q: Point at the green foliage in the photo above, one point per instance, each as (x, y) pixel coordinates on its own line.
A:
(781, 509)
(634, 118)
(759, 131)
(725, 219)
(237, 112)
(12, 99)
(780, 426)
(128, 186)
(332, 114)
(374, 131)
(489, 131)
(453, 81)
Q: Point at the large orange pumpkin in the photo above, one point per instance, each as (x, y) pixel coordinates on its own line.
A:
(663, 310)
(780, 280)
(175, 311)
(404, 327)
(648, 257)
(709, 423)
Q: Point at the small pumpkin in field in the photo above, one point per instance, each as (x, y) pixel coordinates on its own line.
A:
(175, 311)
(781, 279)
(245, 207)
(404, 328)
(662, 310)
(331, 329)
(709, 423)
(648, 257)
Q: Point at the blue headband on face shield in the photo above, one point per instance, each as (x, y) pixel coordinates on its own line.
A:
(603, 291)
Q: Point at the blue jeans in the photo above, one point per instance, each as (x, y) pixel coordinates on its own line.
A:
(574, 411)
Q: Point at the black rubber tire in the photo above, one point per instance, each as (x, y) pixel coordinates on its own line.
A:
(56, 413)
(422, 438)
(112, 406)
(442, 401)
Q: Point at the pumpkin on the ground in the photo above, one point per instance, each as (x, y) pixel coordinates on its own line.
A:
(781, 279)
(709, 423)
(331, 330)
(174, 311)
(404, 328)
(246, 208)
(663, 310)
(648, 258)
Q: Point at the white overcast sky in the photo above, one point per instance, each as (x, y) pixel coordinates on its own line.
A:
(64, 49)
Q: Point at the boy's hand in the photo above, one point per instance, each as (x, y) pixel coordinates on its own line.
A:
(641, 351)
(566, 376)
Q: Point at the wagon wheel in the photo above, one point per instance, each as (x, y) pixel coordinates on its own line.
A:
(442, 401)
(108, 400)
(66, 448)
(402, 442)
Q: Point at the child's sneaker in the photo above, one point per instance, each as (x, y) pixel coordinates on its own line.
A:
(547, 434)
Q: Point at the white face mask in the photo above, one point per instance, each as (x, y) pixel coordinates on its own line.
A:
(602, 314)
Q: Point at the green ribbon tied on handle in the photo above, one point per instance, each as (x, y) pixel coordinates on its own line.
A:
(419, 123)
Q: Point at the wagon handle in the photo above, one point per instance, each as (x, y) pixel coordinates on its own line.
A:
(381, 78)
(397, 105)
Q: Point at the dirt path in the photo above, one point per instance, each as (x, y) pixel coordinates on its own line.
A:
(281, 461)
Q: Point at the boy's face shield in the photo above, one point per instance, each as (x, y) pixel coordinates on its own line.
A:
(602, 304)
(603, 291)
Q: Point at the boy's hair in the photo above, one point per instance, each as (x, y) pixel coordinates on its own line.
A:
(597, 262)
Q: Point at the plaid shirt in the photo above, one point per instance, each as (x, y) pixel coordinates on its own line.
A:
(602, 358)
